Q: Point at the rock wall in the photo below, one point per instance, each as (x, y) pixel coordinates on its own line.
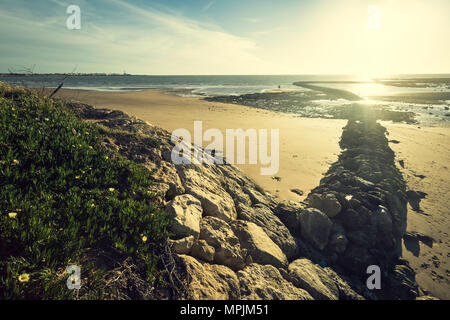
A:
(235, 241)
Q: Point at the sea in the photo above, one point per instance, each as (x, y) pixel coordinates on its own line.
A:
(216, 85)
(234, 85)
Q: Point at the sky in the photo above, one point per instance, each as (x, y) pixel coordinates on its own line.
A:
(362, 37)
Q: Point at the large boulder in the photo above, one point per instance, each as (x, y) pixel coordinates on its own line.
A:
(289, 213)
(218, 234)
(272, 226)
(327, 203)
(402, 283)
(258, 282)
(258, 244)
(202, 250)
(382, 221)
(306, 275)
(187, 213)
(182, 246)
(338, 286)
(165, 172)
(202, 183)
(210, 281)
(338, 242)
(315, 227)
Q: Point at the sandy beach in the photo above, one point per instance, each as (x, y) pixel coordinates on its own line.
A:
(307, 146)
(425, 152)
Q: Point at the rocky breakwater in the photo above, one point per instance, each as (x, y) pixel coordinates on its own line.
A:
(232, 240)
(356, 217)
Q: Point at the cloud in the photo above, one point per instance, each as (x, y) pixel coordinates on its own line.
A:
(141, 40)
(208, 5)
(252, 20)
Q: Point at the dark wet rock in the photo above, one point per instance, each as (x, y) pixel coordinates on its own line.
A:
(402, 283)
(297, 191)
(327, 203)
(372, 196)
(338, 242)
(315, 227)
(289, 213)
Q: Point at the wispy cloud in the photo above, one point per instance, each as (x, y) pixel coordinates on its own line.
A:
(252, 20)
(208, 5)
(154, 41)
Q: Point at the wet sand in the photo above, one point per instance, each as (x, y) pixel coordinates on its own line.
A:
(307, 146)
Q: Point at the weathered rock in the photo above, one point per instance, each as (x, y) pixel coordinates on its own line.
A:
(210, 281)
(315, 227)
(202, 250)
(289, 213)
(182, 246)
(258, 282)
(337, 285)
(218, 234)
(382, 221)
(327, 203)
(187, 213)
(297, 191)
(352, 219)
(308, 276)
(203, 185)
(272, 226)
(166, 173)
(427, 298)
(262, 249)
(402, 284)
(338, 242)
(321, 283)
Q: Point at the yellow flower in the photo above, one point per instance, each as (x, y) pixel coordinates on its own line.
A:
(15, 162)
(144, 239)
(92, 205)
(77, 177)
(12, 215)
(13, 109)
(24, 277)
(111, 189)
